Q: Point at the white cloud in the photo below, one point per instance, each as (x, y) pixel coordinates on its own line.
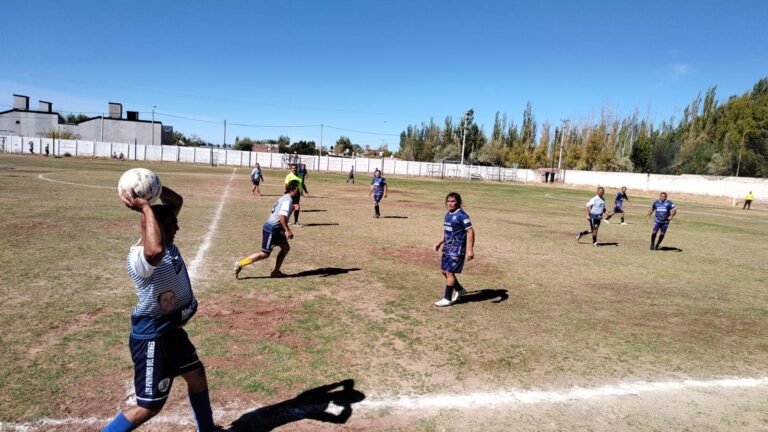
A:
(679, 70)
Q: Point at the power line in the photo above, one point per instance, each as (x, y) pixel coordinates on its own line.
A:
(362, 132)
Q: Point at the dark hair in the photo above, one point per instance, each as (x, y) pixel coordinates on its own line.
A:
(456, 196)
(292, 186)
(164, 214)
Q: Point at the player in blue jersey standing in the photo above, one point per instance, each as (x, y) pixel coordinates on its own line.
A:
(379, 189)
(618, 205)
(275, 232)
(160, 348)
(256, 179)
(665, 211)
(458, 243)
(595, 209)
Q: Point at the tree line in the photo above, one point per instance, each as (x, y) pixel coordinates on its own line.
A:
(724, 139)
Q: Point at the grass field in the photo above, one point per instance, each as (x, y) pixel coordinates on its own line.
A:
(544, 312)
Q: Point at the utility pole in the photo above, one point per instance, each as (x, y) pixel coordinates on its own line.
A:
(741, 148)
(467, 116)
(562, 137)
(153, 124)
(225, 136)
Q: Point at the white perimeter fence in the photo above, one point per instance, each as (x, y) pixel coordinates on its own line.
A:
(735, 187)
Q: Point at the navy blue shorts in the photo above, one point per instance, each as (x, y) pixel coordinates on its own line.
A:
(660, 225)
(594, 221)
(452, 264)
(156, 362)
(377, 198)
(618, 209)
(255, 182)
(270, 239)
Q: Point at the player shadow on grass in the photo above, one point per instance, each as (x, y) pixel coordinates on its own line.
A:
(322, 272)
(669, 249)
(600, 244)
(319, 224)
(394, 217)
(330, 403)
(313, 211)
(484, 295)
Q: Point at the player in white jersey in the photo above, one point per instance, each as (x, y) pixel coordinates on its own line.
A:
(275, 232)
(160, 348)
(595, 209)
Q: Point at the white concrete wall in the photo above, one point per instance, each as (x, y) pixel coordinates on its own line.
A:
(692, 184)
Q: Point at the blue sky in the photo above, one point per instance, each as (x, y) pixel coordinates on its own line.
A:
(376, 66)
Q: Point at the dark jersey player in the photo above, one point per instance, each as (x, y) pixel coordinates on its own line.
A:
(160, 348)
(379, 189)
(458, 244)
(618, 205)
(665, 211)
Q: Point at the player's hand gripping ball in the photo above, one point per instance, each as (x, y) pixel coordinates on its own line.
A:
(143, 182)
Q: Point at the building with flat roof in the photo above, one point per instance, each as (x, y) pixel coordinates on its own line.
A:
(20, 120)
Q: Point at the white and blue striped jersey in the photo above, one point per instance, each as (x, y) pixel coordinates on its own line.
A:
(166, 300)
(283, 207)
(596, 206)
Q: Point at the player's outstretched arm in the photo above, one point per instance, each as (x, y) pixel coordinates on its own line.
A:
(437, 245)
(672, 214)
(650, 212)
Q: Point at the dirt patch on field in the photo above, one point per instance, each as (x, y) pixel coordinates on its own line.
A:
(254, 321)
(417, 256)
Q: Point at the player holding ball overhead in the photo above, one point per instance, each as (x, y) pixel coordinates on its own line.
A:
(458, 244)
(160, 348)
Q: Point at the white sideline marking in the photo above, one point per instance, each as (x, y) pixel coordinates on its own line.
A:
(527, 397)
(209, 235)
(459, 401)
(43, 177)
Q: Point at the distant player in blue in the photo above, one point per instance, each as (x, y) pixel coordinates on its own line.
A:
(618, 205)
(160, 348)
(595, 209)
(665, 211)
(379, 189)
(458, 243)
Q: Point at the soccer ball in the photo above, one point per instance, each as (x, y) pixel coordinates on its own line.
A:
(144, 183)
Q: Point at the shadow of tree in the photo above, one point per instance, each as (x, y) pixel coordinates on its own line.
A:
(484, 295)
(330, 403)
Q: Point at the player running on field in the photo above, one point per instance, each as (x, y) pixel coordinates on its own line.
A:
(458, 243)
(160, 348)
(595, 209)
(256, 178)
(294, 176)
(665, 211)
(618, 205)
(379, 189)
(275, 232)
